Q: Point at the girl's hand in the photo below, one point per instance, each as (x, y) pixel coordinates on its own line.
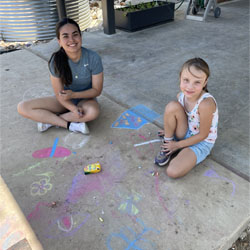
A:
(170, 147)
(78, 112)
(66, 94)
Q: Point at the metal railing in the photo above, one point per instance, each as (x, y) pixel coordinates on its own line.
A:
(30, 20)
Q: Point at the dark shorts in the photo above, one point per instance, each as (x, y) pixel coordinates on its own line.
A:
(76, 101)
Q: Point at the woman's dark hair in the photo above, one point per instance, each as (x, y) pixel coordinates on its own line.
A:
(199, 64)
(61, 65)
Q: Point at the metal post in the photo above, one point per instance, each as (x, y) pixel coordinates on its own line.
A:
(108, 14)
(61, 9)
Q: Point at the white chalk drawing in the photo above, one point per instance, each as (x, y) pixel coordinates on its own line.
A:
(74, 141)
(147, 142)
(36, 92)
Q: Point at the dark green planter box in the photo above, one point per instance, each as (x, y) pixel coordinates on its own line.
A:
(144, 18)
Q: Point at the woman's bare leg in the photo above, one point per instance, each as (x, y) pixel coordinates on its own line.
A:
(90, 108)
(43, 110)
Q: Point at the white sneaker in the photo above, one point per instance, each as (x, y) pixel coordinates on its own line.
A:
(43, 126)
(79, 127)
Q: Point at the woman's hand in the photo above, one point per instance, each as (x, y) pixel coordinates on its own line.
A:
(170, 147)
(78, 112)
(66, 94)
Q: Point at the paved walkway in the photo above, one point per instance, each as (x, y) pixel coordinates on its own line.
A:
(127, 205)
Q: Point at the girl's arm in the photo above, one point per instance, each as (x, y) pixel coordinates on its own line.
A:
(96, 90)
(206, 109)
(58, 89)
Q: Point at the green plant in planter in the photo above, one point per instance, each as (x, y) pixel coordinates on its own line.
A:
(142, 15)
(140, 6)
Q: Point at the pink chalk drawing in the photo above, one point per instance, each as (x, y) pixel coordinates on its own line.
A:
(112, 172)
(45, 152)
(65, 223)
(52, 151)
(150, 149)
(84, 184)
(9, 236)
(212, 174)
(171, 206)
(35, 214)
(68, 224)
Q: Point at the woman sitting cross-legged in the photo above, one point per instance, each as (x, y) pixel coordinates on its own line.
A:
(76, 75)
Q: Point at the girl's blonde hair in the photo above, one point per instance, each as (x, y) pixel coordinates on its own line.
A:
(199, 64)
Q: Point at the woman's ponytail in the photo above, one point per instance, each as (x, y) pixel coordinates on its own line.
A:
(61, 66)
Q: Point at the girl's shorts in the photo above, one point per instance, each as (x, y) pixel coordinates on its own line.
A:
(201, 149)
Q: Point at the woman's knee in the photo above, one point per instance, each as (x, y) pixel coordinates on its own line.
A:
(92, 112)
(22, 108)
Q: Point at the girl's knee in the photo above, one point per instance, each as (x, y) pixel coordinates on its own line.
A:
(173, 172)
(173, 106)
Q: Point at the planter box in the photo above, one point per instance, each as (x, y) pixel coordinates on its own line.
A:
(140, 19)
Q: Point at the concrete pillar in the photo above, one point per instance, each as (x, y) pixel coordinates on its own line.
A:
(108, 14)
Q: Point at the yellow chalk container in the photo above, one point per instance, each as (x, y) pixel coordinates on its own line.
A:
(92, 168)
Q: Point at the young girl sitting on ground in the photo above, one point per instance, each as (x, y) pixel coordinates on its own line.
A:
(77, 79)
(190, 124)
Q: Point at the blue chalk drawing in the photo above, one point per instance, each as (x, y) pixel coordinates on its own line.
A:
(132, 239)
(211, 173)
(135, 118)
(54, 147)
(145, 112)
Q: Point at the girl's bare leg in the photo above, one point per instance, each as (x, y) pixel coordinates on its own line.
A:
(43, 110)
(175, 120)
(175, 124)
(182, 163)
(90, 108)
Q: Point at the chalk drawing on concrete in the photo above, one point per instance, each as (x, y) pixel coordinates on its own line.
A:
(66, 225)
(147, 142)
(113, 170)
(130, 240)
(128, 205)
(36, 92)
(28, 169)
(35, 214)
(135, 118)
(142, 152)
(74, 141)
(42, 186)
(9, 236)
(212, 174)
(170, 202)
(54, 151)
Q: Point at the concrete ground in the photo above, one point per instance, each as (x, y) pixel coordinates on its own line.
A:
(127, 206)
